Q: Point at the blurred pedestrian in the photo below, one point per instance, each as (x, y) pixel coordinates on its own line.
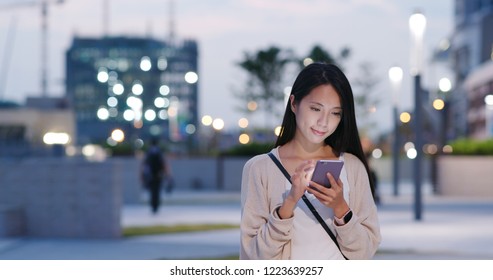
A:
(368, 147)
(153, 171)
(285, 215)
(374, 179)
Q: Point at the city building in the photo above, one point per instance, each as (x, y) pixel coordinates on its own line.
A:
(472, 47)
(479, 88)
(43, 126)
(142, 87)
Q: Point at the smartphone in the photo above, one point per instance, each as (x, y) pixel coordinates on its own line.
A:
(322, 167)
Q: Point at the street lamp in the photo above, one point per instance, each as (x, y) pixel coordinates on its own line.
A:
(488, 100)
(417, 25)
(441, 104)
(395, 76)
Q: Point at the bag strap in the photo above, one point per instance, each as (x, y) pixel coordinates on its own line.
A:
(308, 203)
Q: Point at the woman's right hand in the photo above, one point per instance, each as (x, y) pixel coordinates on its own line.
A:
(299, 184)
(300, 180)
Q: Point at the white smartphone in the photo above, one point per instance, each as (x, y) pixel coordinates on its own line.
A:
(322, 167)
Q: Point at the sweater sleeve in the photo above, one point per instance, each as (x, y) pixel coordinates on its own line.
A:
(360, 237)
(263, 234)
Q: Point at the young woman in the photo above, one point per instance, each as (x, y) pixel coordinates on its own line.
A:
(319, 123)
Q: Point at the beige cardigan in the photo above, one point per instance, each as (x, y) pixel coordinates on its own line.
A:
(265, 236)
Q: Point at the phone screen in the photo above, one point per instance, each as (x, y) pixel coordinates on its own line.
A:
(322, 167)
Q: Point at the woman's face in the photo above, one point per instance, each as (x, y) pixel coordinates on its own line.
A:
(318, 114)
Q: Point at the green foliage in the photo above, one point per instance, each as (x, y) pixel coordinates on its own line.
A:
(249, 150)
(161, 229)
(231, 257)
(265, 70)
(365, 97)
(318, 54)
(472, 147)
(121, 149)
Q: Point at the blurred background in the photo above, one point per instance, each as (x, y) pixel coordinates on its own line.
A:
(84, 85)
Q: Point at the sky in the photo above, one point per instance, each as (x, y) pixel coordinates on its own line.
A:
(376, 31)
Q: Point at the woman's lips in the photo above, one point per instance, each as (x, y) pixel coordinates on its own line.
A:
(318, 132)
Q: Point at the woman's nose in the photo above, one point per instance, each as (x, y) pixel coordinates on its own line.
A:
(323, 120)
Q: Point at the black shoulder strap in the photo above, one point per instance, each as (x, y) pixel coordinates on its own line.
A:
(308, 203)
(279, 165)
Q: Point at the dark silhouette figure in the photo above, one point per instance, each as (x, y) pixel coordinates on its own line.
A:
(154, 170)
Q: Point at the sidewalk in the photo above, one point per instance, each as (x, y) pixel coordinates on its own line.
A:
(451, 228)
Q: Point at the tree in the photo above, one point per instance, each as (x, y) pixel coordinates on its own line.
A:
(318, 54)
(265, 70)
(364, 97)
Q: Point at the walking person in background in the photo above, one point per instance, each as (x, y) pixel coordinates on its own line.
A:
(154, 170)
(277, 222)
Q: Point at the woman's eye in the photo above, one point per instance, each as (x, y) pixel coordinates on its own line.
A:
(337, 114)
(315, 109)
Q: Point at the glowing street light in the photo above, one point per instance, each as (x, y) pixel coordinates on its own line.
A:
(488, 101)
(405, 117)
(395, 77)
(218, 124)
(438, 104)
(207, 120)
(243, 123)
(56, 138)
(445, 85)
(244, 138)
(118, 135)
(417, 25)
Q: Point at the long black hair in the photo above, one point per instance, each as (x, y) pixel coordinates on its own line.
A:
(346, 137)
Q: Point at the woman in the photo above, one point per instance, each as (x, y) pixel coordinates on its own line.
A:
(319, 123)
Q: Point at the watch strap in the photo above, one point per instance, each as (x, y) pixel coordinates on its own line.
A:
(345, 218)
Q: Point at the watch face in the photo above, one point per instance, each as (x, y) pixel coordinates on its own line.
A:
(348, 217)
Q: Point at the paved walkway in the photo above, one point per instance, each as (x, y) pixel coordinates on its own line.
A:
(450, 228)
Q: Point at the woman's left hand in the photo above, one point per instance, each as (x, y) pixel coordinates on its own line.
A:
(332, 197)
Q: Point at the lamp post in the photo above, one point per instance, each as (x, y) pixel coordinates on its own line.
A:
(488, 100)
(395, 76)
(440, 104)
(417, 25)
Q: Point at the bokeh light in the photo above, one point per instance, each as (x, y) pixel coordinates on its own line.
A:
(438, 104)
(243, 122)
(244, 138)
(218, 124)
(405, 117)
(118, 135)
(207, 120)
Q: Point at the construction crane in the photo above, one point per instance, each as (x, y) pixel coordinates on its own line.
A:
(9, 44)
(44, 34)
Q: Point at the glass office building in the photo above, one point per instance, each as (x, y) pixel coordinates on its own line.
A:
(472, 48)
(133, 89)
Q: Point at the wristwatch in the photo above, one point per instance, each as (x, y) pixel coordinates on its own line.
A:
(345, 219)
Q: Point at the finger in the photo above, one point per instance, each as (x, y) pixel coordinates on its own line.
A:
(320, 191)
(298, 179)
(305, 166)
(333, 182)
(324, 195)
(309, 165)
(316, 186)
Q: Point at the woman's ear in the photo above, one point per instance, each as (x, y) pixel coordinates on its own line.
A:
(292, 103)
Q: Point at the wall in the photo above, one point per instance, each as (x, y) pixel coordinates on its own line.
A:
(470, 176)
(69, 197)
(189, 174)
(58, 197)
(224, 174)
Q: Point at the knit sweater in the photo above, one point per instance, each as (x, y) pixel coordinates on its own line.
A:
(265, 236)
